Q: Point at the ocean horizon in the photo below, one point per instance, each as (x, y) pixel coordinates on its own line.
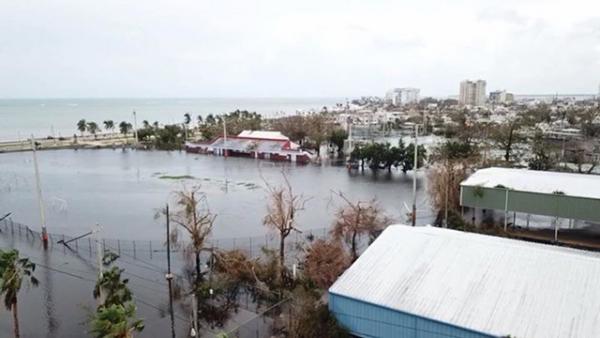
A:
(42, 117)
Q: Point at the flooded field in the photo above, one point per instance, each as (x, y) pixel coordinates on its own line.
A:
(121, 191)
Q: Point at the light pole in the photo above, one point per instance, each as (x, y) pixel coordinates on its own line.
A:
(415, 166)
(39, 195)
(135, 131)
(99, 258)
(169, 275)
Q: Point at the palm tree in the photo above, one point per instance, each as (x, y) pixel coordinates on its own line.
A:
(155, 124)
(109, 125)
(125, 127)
(93, 128)
(13, 270)
(113, 289)
(194, 216)
(187, 118)
(146, 124)
(210, 119)
(81, 126)
(115, 316)
(116, 321)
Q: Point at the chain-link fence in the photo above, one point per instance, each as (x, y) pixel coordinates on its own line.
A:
(156, 249)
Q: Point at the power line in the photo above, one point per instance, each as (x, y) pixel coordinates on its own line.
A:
(137, 298)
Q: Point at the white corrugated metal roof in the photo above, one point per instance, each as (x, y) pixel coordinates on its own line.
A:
(546, 182)
(489, 284)
(269, 135)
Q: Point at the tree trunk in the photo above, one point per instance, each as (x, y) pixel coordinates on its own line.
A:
(354, 255)
(15, 319)
(198, 271)
(509, 144)
(281, 257)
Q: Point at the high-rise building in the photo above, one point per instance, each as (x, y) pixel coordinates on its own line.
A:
(401, 96)
(409, 95)
(501, 96)
(472, 93)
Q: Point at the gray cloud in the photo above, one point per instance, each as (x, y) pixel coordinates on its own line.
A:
(65, 48)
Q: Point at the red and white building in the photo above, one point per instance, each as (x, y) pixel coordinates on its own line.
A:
(268, 145)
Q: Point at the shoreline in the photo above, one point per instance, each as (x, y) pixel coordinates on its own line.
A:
(101, 141)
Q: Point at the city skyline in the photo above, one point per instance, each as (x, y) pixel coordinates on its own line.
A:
(274, 49)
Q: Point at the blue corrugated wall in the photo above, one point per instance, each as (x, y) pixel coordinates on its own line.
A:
(370, 320)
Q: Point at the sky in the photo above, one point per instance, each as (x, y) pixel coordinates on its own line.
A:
(302, 48)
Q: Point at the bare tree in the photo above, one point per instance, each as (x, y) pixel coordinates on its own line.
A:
(444, 186)
(581, 154)
(195, 218)
(281, 214)
(357, 219)
(506, 135)
(325, 261)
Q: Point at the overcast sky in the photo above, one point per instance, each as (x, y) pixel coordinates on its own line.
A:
(302, 48)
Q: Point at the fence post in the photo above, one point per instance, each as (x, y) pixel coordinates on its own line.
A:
(77, 245)
(90, 245)
(119, 246)
(134, 249)
(150, 242)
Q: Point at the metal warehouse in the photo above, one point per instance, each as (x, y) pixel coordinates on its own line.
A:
(561, 195)
(427, 282)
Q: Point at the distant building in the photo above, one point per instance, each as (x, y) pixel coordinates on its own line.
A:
(267, 145)
(402, 96)
(472, 93)
(501, 97)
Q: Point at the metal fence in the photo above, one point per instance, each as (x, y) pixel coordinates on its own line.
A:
(156, 249)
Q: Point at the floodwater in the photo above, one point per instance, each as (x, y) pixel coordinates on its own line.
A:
(122, 190)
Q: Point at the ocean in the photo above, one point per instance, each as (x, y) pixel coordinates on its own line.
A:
(19, 118)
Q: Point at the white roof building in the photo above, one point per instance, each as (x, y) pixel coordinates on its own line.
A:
(262, 134)
(543, 182)
(447, 283)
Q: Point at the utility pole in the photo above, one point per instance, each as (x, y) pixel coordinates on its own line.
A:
(415, 166)
(169, 276)
(225, 136)
(99, 254)
(446, 195)
(39, 195)
(135, 131)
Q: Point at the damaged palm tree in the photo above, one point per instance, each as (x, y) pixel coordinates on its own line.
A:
(356, 219)
(195, 218)
(281, 216)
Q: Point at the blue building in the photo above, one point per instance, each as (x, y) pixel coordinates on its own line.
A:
(429, 282)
